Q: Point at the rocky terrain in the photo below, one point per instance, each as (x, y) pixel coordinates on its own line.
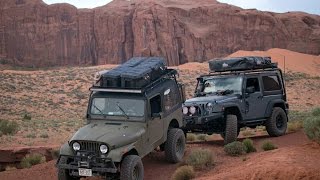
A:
(33, 34)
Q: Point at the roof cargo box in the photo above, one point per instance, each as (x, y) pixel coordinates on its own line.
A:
(241, 64)
(111, 79)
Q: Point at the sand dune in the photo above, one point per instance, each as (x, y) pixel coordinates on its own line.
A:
(294, 61)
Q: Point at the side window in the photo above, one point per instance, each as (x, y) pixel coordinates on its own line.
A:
(271, 83)
(171, 98)
(155, 104)
(253, 82)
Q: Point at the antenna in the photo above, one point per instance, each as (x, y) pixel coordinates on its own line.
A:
(284, 66)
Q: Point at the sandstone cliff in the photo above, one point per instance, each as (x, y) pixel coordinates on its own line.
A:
(35, 34)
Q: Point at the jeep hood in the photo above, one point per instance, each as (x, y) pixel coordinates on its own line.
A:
(206, 99)
(115, 134)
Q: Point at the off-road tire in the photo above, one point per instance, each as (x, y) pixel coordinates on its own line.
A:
(224, 134)
(131, 168)
(276, 124)
(63, 174)
(231, 131)
(175, 145)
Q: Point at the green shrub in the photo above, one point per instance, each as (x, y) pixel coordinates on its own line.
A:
(32, 159)
(235, 148)
(294, 126)
(31, 135)
(8, 127)
(248, 143)
(191, 137)
(27, 117)
(184, 173)
(316, 112)
(268, 145)
(200, 158)
(202, 137)
(312, 128)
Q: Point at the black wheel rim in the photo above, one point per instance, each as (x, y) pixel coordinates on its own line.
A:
(136, 173)
(279, 121)
(179, 146)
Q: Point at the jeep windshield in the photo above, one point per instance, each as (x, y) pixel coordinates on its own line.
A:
(117, 107)
(222, 85)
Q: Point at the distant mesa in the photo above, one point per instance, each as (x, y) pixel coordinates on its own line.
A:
(34, 34)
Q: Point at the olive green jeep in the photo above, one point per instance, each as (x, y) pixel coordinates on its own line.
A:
(123, 126)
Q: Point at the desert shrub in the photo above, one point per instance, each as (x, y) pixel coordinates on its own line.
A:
(8, 127)
(200, 158)
(32, 159)
(316, 112)
(27, 117)
(191, 137)
(31, 135)
(312, 128)
(248, 143)
(202, 137)
(44, 135)
(294, 126)
(298, 115)
(235, 148)
(248, 132)
(268, 145)
(184, 173)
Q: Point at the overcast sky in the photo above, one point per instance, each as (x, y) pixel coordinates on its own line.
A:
(310, 6)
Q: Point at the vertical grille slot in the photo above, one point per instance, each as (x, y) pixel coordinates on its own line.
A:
(89, 146)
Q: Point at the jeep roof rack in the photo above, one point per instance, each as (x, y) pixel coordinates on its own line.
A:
(170, 73)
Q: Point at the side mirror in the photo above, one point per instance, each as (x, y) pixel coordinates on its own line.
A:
(156, 115)
(250, 90)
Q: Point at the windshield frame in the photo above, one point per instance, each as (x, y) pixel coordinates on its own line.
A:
(202, 80)
(116, 118)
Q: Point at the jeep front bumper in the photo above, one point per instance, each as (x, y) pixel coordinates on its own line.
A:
(98, 165)
(210, 123)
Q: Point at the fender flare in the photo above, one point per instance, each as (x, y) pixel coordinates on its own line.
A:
(271, 105)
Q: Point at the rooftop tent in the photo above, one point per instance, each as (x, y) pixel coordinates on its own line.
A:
(241, 64)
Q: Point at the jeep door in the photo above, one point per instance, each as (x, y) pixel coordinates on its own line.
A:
(254, 102)
(155, 123)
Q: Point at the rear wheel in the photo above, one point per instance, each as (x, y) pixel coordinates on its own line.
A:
(63, 174)
(175, 145)
(131, 168)
(276, 124)
(232, 131)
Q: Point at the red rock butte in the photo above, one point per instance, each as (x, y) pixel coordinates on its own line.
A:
(33, 33)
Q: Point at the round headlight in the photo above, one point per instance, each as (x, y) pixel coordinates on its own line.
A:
(104, 149)
(192, 110)
(209, 107)
(185, 110)
(76, 146)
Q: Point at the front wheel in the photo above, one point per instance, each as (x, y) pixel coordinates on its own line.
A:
(63, 174)
(175, 145)
(131, 168)
(276, 124)
(231, 131)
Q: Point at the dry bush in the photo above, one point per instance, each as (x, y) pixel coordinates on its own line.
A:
(248, 143)
(191, 137)
(8, 127)
(316, 112)
(184, 173)
(312, 128)
(268, 145)
(294, 126)
(32, 159)
(202, 137)
(200, 158)
(235, 148)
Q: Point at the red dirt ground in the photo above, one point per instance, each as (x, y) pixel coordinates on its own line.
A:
(296, 158)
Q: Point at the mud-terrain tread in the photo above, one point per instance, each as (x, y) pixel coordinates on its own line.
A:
(62, 173)
(231, 132)
(271, 126)
(127, 165)
(170, 146)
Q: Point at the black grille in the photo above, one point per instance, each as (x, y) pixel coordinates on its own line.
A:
(90, 146)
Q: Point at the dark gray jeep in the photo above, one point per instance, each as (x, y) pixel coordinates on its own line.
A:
(239, 92)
